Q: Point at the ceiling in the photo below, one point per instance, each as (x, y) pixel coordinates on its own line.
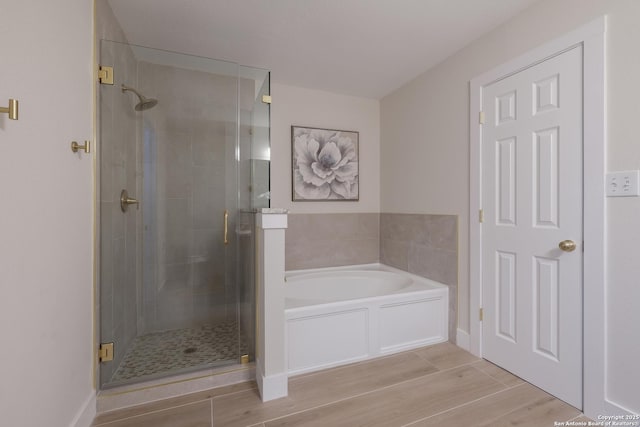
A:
(365, 48)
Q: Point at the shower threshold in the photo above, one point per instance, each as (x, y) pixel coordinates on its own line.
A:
(148, 389)
(160, 354)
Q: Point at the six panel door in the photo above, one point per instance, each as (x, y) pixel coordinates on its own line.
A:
(532, 201)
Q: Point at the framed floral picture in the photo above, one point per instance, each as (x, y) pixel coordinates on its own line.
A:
(325, 164)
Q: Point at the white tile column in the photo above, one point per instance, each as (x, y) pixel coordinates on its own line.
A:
(271, 368)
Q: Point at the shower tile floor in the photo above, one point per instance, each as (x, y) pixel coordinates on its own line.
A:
(157, 353)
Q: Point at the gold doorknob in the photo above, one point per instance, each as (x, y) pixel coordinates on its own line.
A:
(125, 201)
(567, 245)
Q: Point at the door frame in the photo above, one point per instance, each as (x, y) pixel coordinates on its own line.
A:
(591, 37)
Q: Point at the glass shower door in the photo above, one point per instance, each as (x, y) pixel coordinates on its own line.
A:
(120, 260)
(169, 250)
(253, 180)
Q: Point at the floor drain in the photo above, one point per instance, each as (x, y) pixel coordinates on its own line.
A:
(190, 350)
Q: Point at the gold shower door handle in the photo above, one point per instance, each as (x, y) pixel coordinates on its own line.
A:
(226, 228)
(125, 201)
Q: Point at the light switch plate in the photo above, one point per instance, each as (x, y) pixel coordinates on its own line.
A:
(623, 184)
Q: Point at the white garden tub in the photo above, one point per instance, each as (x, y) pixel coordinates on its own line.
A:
(341, 315)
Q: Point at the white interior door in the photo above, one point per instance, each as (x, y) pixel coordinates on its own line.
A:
(532, 201)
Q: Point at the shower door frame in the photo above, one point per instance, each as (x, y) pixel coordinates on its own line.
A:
(101, 384)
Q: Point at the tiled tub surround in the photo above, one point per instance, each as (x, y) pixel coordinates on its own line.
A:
(331, 240)
(422, 244)
(425, 245)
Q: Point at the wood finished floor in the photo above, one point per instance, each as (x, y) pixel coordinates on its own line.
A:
(441, 385)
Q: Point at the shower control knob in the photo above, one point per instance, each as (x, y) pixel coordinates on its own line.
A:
(125, 201)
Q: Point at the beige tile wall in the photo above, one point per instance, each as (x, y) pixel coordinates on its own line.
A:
(425, 245)
(330, 240)
(190, 135)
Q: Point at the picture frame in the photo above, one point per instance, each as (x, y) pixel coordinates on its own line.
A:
(324, 164)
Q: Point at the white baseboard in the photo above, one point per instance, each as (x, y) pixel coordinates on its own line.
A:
(462, 339)
(612, 408)
(87, 413)
(273, 386)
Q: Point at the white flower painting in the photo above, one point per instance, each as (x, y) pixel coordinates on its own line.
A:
(325, 164)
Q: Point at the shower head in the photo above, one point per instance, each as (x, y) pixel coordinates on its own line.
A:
(145, 103)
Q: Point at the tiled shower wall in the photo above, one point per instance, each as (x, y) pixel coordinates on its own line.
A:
(422, 244)
(189, 156)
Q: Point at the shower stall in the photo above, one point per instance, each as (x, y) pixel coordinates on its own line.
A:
(183, 160)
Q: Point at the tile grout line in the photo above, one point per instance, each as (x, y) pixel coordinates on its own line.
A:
(214, 398)
(454, 367)
(457, 366)
(342, 399)
(536, 400)
(234, 392)
(468, 403)
(427, 362)
(430, 363)
(581, 414)
(495, 379)
(514, 375)
(351, 365)
(366, 393)
(437, 370)
(395, 384)
(160, 401)
(149, 412)
(211, 406)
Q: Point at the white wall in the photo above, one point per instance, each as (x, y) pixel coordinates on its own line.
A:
(305, 107)
(425, 137)
(46, 219)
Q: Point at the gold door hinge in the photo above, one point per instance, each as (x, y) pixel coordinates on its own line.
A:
(105, 75)
(481, 117)
(481, 215)
(481, 314)
(244, 359)
(105, 354)
(266, 99)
